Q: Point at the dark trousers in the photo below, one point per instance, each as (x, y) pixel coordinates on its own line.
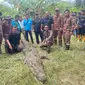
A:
(14, 50)
(26, 36)
(1, 37)
(37, 34)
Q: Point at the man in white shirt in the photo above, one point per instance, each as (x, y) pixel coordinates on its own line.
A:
(21, 24)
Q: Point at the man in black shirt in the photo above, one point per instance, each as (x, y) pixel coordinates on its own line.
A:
(12, 42)
(48, 20)
(37, 28)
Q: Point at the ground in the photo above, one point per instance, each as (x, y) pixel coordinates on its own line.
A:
(63, 68)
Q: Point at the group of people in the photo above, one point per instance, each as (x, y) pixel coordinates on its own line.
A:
(50, 29)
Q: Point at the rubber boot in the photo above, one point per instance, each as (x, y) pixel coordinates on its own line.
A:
(84, 38)
(79, 38)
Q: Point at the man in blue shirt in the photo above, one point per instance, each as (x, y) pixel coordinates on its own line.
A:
(28, 28)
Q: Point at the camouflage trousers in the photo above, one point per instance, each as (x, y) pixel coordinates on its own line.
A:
(58, 36)
(67, 37)
(47, 44)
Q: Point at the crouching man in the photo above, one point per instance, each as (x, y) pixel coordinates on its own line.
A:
(48, 38)
(13, 42)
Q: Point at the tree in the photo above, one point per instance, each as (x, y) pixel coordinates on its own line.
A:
(80, 3)
(29, 5)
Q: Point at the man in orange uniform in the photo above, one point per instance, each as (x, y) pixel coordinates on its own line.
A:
(58, 27)
(67, 29)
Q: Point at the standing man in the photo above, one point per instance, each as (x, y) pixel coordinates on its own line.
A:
(1, 35)
(37, 28)
(7, 27)
(21, 25)
(79, 33)
(48, 20)
(28, 28)
(74, 23)
(67, 29)
(81, 25)
(58, 27)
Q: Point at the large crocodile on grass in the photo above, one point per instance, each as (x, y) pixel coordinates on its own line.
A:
(33, 60)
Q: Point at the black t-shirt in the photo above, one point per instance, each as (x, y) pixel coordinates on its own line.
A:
(47, 21)
(37, 25)
(14, 38)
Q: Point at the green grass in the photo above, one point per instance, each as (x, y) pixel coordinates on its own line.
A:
(63, 68)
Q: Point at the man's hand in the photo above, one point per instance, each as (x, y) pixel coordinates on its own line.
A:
(9, 44)
(10, 47)
(41, 30)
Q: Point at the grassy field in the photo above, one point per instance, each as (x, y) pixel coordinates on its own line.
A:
(63, 68)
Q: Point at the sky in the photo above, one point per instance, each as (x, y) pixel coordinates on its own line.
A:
(68, 0)
(63, 0)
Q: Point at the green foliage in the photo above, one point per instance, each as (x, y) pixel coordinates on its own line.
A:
(25, 6)
(31, 6)
(80, 4)
(61, 5)
(7, 11)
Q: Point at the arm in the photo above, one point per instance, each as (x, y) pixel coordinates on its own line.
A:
(9, 44)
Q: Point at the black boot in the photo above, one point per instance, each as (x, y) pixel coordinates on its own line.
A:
(67, 47)
(48, 49)
(55, 42)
